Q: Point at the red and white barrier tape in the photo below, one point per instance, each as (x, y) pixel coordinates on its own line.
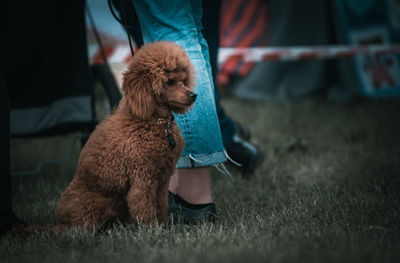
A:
(116, 53)
(258, 54)
(121, 53)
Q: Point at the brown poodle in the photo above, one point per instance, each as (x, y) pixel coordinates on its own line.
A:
(125, 166)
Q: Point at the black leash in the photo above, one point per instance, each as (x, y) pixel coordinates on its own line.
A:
(122, 20)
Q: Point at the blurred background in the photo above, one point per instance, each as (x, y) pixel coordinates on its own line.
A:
(66, 49)
(72, 56)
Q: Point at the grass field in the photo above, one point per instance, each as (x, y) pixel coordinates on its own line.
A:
(328, 191)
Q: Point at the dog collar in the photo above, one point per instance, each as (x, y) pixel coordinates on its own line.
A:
(170, 138)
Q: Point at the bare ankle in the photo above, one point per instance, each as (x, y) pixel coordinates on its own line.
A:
(195, 185)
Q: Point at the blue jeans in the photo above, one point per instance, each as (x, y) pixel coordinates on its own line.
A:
(180, 21)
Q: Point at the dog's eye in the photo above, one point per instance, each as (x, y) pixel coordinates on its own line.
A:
(170, 82)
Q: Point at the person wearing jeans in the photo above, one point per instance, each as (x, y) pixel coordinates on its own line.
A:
(180, 22)
(235, 135)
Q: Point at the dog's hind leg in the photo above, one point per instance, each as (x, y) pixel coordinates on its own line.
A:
(80, 207)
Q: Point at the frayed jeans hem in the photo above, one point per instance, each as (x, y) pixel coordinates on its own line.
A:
(209, 159)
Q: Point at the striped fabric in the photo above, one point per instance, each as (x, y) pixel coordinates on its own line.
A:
(243, 24)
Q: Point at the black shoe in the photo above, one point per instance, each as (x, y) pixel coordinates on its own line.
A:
(181, 211)
(244, 152)
(242, 131)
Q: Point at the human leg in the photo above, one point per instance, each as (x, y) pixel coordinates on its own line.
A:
(195, 187)
(174, 21)
(211, 21)
(235, 135)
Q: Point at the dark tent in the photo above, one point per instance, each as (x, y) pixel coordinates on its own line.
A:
(46, 69)
(46, 83)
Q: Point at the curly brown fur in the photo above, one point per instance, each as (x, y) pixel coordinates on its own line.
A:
(125, 166)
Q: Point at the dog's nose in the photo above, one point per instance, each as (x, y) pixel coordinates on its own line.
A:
(192, 96)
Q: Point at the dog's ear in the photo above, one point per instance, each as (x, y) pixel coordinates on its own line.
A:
(158, 85)
(140, 96)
